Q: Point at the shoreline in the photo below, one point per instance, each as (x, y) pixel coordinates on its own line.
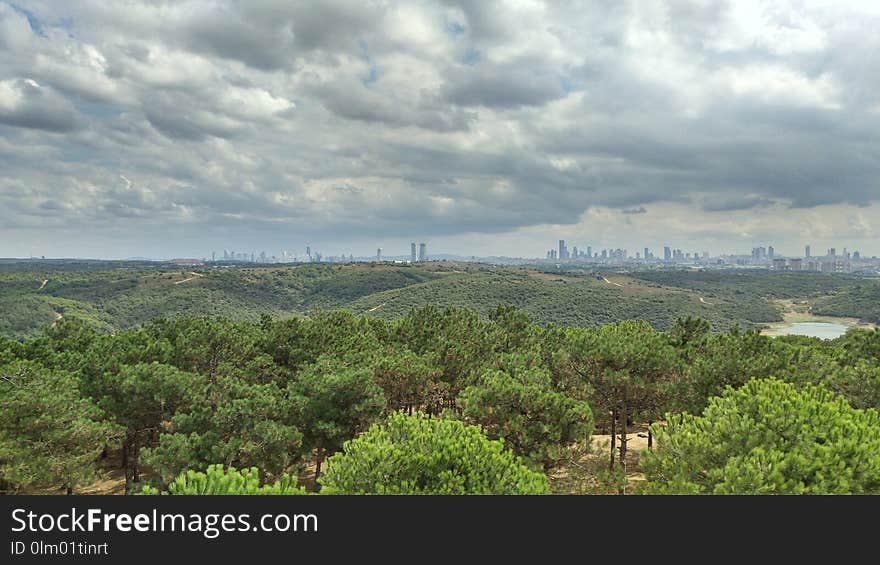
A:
(799, 313)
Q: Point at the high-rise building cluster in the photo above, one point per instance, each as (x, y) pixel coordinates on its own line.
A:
(231, 256)
(418, 252)
(831, 262)
(619, 255)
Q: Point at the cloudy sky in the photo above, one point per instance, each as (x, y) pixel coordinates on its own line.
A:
(174, 128)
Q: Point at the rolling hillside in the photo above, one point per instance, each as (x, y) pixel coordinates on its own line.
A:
(120, 295)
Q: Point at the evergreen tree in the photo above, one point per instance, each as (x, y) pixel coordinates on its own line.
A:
(767, 437)
(218, 480)
(420, 454)
(520, 406)
(336, 402)
(629, 368)
(49, 435)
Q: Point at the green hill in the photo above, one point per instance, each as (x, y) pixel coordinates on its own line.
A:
(117, 295)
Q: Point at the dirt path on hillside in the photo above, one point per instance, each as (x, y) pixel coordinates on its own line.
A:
(58, 317)
(704, 301)
(192, 277)
(609, 282)
(374, 308)
(43, 283)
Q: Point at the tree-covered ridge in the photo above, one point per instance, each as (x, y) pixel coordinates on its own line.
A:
(717, 283)
(179, 395)
(117, 296)
(861, 300)
(122, 297)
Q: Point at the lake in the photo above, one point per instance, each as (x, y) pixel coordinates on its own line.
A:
(823, 330)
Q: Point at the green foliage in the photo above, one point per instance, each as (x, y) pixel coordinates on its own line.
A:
(409, 381)
(252, 390)
(458, 340)
(767, 437)
(719, 361)
(420, 454)
(688, 330)
(715, 362)
(860, 300)
(233, 421)
(49, 435)
(858, 344)
(520, 406)
(114, 296)
(748, 283)
(335, 403)
(628, 366)
(218, 480)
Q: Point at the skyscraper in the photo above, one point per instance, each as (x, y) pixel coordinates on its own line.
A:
(667, 253)
(563, 252)
(379, 254)
(807, 251)
(423, 252)
(771, 252)
(647, 254)
(412, 252)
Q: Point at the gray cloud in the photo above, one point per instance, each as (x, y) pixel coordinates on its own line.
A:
(520, 83)
(25, 103)
(263, 121)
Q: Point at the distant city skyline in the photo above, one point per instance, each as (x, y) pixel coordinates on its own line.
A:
(418, 252)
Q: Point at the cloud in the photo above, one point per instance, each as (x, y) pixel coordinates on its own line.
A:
(25, 103)
(499, 122)
(519, 83)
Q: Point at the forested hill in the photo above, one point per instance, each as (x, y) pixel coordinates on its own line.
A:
(115, 295)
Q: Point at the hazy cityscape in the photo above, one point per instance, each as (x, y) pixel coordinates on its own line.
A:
(832, 260)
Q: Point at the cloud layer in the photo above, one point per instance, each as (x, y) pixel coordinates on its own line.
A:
(138, 127)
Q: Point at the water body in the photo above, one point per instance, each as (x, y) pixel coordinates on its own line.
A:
(823, 330)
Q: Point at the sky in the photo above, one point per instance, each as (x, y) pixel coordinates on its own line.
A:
(178, 128)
